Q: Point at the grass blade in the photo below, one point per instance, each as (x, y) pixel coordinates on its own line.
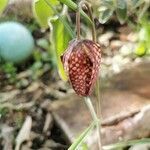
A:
(80, 139)
(127, 143)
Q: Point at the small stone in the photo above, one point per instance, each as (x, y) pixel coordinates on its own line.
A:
(132, 37)
(104, 38)
(140, 147)
(124, 94)
(115, 44)
(127, 49)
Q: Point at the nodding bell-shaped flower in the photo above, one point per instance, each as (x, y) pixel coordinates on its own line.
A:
(81, 61)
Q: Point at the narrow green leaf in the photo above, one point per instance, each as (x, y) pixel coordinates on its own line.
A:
(42, 11)
(80, 139)
(121, 10)
(121, 4)
(136, 3)
(143, 34)
(69, 3)
(60, 36)
(74, 7)
(143, 10)
(126, 143)
(3, 4)
(67, 26)
(60, 39)
(105, 15)
(108, 3)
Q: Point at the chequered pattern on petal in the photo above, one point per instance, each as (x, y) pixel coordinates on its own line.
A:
(81, 61)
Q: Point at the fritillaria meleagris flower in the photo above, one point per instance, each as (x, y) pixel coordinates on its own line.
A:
(81, 61)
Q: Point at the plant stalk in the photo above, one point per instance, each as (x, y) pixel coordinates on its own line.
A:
(87, 99)
(98, 105)
(74, 7)
(98, 109)
(78, 23)
(95, 118)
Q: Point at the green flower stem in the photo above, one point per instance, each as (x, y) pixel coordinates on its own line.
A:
(81, 138)
(91, 108)
(95, 118)
(74, 7)
(98, 106)
(98, 109)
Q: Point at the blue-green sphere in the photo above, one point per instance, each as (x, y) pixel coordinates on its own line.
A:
(16, 42)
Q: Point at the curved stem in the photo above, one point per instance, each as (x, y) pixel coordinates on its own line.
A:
(74, 7)
(78, 23)
(91, 17)
(97, 83)
(98, 109)
(91, 108)
(95, 118)
(98, 105)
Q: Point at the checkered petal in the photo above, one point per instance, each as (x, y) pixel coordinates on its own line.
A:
(81, 61)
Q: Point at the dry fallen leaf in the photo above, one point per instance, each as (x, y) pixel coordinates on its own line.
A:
(7, 134)
(24, 133)
(134, 127)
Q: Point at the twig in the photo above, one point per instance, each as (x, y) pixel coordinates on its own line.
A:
(22, 106)
(119, 117)
(24, 133)
(48, 122)
(4, 97)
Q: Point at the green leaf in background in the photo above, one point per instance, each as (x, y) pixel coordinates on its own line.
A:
(144, 38)
(108, 3)
(136, 3)
(61, 31)
(84, 146)
(141, 49)
(43, 43)
(3, 4)
(59, 39)
(43, 12)
(80, 139)
(69, 3)
(105, 14)
(121, 4)
(144, 34)
(121, 10)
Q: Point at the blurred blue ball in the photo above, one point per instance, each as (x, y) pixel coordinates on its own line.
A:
(16, 42)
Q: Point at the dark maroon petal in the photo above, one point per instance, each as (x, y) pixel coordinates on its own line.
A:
(81, 61)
